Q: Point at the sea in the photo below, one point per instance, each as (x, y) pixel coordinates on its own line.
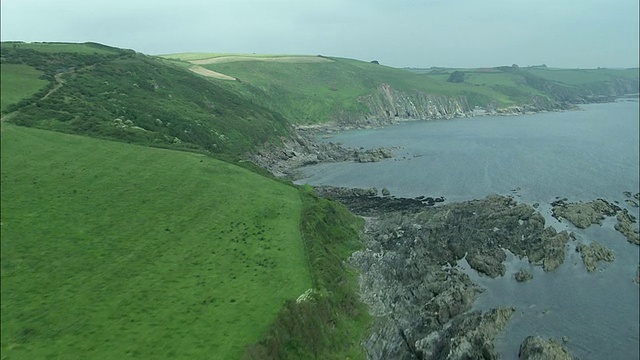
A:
(580, 155)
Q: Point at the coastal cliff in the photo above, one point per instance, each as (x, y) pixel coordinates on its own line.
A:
(387, 104)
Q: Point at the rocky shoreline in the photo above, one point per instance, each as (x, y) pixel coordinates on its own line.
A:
(302, 149)
(420, 298)
(410, 280)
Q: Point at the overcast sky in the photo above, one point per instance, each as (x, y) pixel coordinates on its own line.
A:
(401, 33)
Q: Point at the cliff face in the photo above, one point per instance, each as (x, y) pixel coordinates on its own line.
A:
(388, 105)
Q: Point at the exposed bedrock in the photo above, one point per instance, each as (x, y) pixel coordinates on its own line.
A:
(537, 348)
(585, 214)
(418, 296)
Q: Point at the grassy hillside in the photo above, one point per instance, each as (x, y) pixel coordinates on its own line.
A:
(112, 250)
(119, 94)
(583, 76)
(319, 91)
(315, 92)
(19, 81)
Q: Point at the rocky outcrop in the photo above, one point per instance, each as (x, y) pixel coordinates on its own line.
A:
(469, 336)
(488, 262)
(523, 275)
(583, 215)
(627, 226)
(409, 276)
(387, 105)
(537, 348)
(302, 149)
(593, 253)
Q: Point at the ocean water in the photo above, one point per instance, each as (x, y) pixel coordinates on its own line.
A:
(581, 155)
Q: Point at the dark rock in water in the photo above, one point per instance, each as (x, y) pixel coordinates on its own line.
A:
(637, 196)
(593, 253)
(626, 225)
(523, 275)
(628, 194)
(583, 215)
(631, 203)
(537, 348)
(385, 192)
(535, 206)
(418, 298)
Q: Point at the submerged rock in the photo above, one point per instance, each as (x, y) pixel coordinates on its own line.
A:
(593, 253)
(537, 348)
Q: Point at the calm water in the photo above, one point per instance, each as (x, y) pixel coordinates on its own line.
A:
(580, 155)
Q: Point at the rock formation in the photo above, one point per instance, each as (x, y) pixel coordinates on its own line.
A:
(583, 215)
(537, 348)
(523, 275)
(593, 253)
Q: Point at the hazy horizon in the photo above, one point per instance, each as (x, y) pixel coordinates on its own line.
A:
(405, 33)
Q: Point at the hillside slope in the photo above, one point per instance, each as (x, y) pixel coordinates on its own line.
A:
(112, 250)
(355, 92)
(120, 94)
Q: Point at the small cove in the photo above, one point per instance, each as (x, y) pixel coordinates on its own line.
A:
(581, 155)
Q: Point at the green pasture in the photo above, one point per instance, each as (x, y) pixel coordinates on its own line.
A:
(112, 250)
(18, 82)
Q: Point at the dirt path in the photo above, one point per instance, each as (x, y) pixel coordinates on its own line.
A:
(8, 116)
(59, 83)
(209, 73)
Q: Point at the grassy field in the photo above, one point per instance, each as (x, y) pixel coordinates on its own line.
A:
(111, 250)
(315, 92)
(49, 47)
(583, 76)
(19, 81)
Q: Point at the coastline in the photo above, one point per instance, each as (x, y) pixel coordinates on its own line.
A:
(450, 281)
(412, 254)
(304, 148)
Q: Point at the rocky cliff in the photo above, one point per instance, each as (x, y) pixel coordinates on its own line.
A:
(387, 105)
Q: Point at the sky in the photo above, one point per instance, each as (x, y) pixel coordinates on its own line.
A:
(399, 33)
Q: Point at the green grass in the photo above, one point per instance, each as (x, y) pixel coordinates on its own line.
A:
(583, 76)
(111, 250)
(320, 92)
(60, 47)
(334, 323)
(19, 82)
(136, 98)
